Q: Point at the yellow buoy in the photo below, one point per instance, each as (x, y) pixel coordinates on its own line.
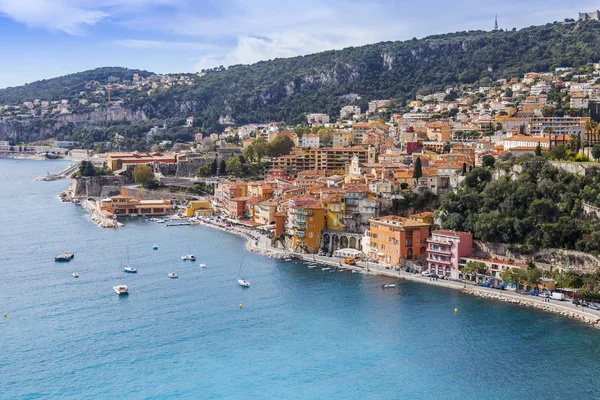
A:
(240, 305)
(5, 315)
(456, 310)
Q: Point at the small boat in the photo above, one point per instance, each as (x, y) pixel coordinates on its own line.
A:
(244, 283)
(130, 270)
(312, 265)
(173, 275)
(75, 275)
(202, 265)
(388, 286)
(159, 221)
(241, 281)
(189, 257)
(121, 289)
(288, 259)
(64, 257)
(155, 247)
(325, 269)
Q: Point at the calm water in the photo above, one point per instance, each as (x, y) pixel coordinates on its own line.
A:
(301, 333)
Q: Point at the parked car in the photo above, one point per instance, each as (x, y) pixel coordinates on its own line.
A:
(427, 273)
(321, 253)
(544, 295)
(594, 306)
(485, 284)
(557, 296)
(499, 287)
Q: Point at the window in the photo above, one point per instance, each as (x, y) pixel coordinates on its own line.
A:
(310, 235)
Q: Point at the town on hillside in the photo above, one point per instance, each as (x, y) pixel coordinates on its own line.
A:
(432, 185)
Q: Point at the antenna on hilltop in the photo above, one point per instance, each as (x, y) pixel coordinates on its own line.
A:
(496, 23)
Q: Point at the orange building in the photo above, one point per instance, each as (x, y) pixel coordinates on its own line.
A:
(124, 204)
(117, 161)
(309, 222)
(393, 238)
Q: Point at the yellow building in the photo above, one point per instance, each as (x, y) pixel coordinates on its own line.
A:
(264, 212)
(343, 138)
(334, 213)
(201, 207)
(309, 222)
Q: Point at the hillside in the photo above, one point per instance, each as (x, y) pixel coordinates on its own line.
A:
(64, 87)
(287, 89)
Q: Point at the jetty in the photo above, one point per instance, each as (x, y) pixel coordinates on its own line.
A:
(59, 175)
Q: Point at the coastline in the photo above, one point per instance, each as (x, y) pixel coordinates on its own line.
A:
(260, 244)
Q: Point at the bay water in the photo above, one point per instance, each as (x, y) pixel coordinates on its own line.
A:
(300, 333)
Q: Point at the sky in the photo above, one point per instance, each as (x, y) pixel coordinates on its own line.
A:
(42, 39)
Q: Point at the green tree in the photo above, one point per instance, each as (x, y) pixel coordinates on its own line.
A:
(558, 152)
(514, 275)
(260, 148)
(488, 161)
(417, 172)
(538, 150)
(474, 267)
(464, 169)
(249, 153)
(280, 146)
(234, 167)
(222, 168)
(213, 167)
(142, 174)
(204, 171)
(596, 152)
(533, 277)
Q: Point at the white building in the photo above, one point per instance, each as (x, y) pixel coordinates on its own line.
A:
(378, 105)
(350, 110)
(317, 119)
(310, 141)
(579, 101)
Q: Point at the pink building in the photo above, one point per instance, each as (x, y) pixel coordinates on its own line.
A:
(444, 250)
(198, 137)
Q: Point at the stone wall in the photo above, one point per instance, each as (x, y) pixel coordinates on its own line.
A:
(85, 187)
(572, 260)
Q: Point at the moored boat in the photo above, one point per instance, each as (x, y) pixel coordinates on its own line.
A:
(155, 247)
(388, 286)
(173, 275)
(130, 270)
(121, 289)
(75, 275)
(64, 257)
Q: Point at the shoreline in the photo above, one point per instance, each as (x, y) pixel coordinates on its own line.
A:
(564, 308)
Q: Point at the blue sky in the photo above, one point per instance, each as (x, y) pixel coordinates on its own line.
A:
(47, 38)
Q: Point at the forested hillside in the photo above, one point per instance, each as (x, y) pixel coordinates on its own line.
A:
(287, 89)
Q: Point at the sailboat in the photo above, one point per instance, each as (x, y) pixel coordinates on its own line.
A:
(129, 269)
(241, 281)
(121, 289)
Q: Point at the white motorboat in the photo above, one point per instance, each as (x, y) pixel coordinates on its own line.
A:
(288, 259)
(189, 257)
(75, 275)
(173, 275)
(325, 269)
(202, 265)
(155, 247)
(243, 283)
(121, 289)
(312, 265)
(130, 270)
(388, 286)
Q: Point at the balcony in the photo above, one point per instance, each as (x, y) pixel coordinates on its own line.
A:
(439, 250)
(300, 234)
(438, 241)
(439, 261)
(300, 225)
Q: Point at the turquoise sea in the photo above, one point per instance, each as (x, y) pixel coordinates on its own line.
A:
(301, 334)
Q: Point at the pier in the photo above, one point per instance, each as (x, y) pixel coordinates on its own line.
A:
(60, 175)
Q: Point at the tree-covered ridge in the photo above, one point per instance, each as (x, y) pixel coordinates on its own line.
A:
(287, 89)
(538, 207)
(65, 87)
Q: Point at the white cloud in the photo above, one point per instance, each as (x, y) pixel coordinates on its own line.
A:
(162, 44)
(60, 15)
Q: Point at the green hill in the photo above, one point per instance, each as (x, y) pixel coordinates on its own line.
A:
(287, 89)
